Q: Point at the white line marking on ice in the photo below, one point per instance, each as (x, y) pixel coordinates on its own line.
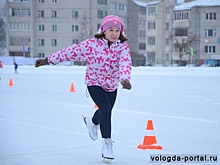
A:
(127, 111)
(41, 126)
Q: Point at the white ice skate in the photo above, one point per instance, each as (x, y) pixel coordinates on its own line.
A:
(107, 150)
(93, 129)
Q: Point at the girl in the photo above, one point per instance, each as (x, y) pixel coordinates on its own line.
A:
(108, 64)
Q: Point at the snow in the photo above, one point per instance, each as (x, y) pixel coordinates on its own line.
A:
(154, 2)
(189, 5)
(144, 4)
(41, 123)
(139, 3)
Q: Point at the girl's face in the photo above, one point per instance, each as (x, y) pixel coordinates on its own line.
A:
(112, 34)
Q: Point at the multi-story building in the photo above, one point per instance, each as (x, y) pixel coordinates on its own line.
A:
(136, 30)
(37, 28)
(196, 21)
(154, 38)
(159, 26)
(136, 26)
(201, 18)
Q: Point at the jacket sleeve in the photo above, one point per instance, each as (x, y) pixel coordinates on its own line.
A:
(75, 52)
(125, 64)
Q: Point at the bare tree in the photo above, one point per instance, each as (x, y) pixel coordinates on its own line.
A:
(182, 41)
(2, 28)
(84, 32)
(85, 27)
(2, 9)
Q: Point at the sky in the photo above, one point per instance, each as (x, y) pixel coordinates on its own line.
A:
(41, 121)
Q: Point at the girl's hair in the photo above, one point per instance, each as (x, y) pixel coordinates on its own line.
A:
(122, 38)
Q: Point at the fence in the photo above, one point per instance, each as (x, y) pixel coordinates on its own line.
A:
(9, 60)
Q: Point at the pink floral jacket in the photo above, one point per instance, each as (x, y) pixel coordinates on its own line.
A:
(105, 67)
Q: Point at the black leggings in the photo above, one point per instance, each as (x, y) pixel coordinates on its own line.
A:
(105, 101)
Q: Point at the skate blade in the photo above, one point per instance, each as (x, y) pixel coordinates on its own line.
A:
(107, 160)
(84, 119)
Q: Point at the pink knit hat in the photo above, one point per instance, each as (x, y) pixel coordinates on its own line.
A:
(112, 21)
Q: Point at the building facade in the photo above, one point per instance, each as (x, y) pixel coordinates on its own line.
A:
(136, 31)
(200, 19)
(37, 28)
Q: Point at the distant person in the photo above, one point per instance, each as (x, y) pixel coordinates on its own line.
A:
(218, 63)
(1, 65)
(16, 67)
(108, 63)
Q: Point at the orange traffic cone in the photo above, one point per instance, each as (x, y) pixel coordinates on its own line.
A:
(149, 141)
(10, 82)
(95, 106)
(72, 88)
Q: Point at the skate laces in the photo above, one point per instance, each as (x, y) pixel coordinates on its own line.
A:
(109, 145)
(94, 129)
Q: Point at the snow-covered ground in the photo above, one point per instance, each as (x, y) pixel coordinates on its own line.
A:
(41, 123)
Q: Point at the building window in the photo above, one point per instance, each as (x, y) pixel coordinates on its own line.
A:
(151, 25)
(167, 10)
(167, 26)
(176, 48)
(181, 32)
(41, 55)
(54, 42)
(177, 16)
(142, 10)
(19, 26)
(167, 57)
(21, 0)
(151, 57)
(142, 22)
(167, 42)
(102, 2)
(75, 14)
(180, 48)
(210, 32)
(142, 46)
(40, 13)
(54, 1)
(181, 15)
(101, 14)
(54, 14)
(121, 7)
(151, 10)
(209, 49)
(75, 41)
(40, 1)
(40, 42)
(185, 15)
(41, 27)
(142, 33)
(112, 6)
(20, 12)
(75, 28)
(54, 28)
(210, 16)
(151, 40)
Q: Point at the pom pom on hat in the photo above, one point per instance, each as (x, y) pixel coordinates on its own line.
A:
(111, 21)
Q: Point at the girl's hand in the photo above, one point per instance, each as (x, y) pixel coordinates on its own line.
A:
(126, 84)
(41, 62)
